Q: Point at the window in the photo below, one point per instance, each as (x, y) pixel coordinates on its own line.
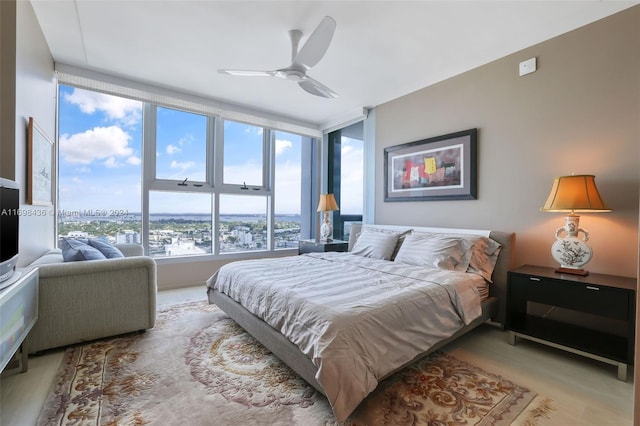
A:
(243, 154)
(287, 189)
(346, 177)
(181, 145)
(243, 223)
(351, 176)
(179, 224)
(210, 186)
(100, 165)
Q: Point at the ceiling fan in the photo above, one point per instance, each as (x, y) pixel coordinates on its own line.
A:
(301, 60)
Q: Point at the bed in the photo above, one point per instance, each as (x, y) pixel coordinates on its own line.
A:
(346, 321)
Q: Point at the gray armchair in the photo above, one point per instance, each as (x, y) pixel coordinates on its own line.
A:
(82, 301)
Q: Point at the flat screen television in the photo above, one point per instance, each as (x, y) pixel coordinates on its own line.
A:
(9, 218)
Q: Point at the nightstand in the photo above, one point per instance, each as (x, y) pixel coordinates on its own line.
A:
(593, 316)
(317, 246)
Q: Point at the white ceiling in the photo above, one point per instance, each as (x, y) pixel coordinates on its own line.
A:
(381, 49)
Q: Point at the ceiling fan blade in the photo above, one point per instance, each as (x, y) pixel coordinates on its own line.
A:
(248, 73)
(316, 88)
(317, 44)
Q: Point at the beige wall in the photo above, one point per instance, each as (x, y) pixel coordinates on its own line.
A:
(578, 113)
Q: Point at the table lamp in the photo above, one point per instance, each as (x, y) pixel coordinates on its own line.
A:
(575, 193)
(327, 203)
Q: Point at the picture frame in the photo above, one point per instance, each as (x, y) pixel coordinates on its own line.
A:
(40, 166)
(438, 168)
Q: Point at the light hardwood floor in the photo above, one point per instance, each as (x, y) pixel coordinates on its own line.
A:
(583, 391)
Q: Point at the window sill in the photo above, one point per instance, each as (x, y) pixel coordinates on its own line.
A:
(226, 256)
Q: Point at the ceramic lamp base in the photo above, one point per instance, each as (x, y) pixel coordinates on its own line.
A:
(326, 230)
(570, 251)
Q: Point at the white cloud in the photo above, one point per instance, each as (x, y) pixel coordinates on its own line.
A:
(112, 163)
(186, 139)
(255, 130)
(125, 110)
(95, 144)
(134, 160)
(172, 149)
(282, 145)
(182, 165)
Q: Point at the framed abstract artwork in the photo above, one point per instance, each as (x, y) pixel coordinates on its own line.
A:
(438, 168)
(40, 166)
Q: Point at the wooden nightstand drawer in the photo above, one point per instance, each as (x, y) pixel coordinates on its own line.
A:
(592, 298)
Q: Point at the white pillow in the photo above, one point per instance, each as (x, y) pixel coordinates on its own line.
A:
(434, 250)
(375, 244)
(480, 256)
(401, 236)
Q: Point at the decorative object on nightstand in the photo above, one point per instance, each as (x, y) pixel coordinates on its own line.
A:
(327, 204)
(576, 193)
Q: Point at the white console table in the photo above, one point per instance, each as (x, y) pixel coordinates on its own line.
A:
(18, 314)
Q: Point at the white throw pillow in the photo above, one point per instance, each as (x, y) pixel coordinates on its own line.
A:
(434, 250)
(375, 244)
(480, 256)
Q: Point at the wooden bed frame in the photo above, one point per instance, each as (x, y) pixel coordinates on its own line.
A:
(493, 308)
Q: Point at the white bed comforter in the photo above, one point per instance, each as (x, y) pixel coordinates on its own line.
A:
(356, 318)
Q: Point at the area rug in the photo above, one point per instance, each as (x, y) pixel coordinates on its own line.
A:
(198, 367)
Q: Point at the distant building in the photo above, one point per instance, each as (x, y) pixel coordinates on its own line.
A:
(180, 247)
(242, 235)
(128, 237)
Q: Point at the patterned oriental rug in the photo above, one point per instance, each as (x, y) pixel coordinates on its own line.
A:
(197, 367)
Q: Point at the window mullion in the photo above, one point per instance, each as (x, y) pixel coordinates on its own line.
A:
(148, 166)
(215, 228)
(218, 154)
(269, 160)
(211, 165)
(218, 164)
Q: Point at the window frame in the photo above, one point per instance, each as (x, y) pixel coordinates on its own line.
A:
(334, 167)
(152, 96)
(215, 181)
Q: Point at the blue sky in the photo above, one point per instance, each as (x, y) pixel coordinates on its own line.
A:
(100, 152)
